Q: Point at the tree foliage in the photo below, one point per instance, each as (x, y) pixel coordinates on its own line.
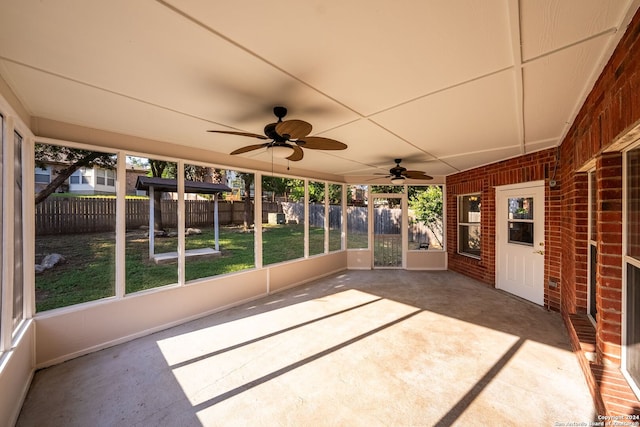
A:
(247, 179)
(72, 159)
(427, 207)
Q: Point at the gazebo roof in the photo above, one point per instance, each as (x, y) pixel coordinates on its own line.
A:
(167, 184)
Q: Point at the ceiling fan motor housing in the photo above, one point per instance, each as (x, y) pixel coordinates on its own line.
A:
(397, 170)
(280, 112)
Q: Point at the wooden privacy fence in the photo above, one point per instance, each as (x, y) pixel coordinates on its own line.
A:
(74, 215)
(92, 215)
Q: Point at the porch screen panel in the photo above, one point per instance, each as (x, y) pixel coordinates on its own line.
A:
(284, 210)
(316, 217)
(357, 217)
(152, 225)
(18, 276)
(74, 227)
(229, 247)
(335, 217)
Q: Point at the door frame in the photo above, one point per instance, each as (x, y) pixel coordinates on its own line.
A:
(404, 205)
(497, 225)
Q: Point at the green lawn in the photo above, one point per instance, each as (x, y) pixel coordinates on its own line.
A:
(89, 271)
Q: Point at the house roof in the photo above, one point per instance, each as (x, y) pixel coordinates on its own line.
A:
(446, 86)
(166, 184)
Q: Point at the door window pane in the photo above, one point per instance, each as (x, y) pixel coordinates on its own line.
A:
(521, 232)
(520, 222)
(521, 208)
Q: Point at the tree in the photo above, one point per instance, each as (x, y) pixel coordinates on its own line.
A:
(275, 185)
(159, 169)
(247, 179)
(73, 159)
(316, 192)
(427, 207)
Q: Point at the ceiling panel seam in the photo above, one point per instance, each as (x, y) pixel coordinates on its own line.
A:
(515, 25)
(254, 54)
(441, 90)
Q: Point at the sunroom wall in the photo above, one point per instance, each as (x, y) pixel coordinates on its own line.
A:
(608, 120)
(532, 167)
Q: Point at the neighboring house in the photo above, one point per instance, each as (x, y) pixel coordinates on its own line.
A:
(89, 181)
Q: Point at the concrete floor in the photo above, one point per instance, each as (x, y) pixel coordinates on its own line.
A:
(360, 348)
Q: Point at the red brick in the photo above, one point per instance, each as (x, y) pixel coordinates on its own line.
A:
(611, 107)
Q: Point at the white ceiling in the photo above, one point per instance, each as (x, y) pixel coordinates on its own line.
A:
(445, 85)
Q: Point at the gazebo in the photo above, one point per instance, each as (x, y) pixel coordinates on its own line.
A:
(153, 184)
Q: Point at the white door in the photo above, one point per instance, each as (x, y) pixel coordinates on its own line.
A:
(520, 241)
(387, 231)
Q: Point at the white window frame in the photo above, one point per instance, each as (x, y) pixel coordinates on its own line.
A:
(591, 243)
(467, 224)
(82, 174)
(106, 175)
(626, 259)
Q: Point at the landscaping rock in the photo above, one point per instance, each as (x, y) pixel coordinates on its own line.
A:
(49, 261)
(192, 231)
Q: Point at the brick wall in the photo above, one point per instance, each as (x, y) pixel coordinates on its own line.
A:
(609, 269)
(611, 109)
(532, 167)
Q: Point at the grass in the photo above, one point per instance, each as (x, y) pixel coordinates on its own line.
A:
(89, 271)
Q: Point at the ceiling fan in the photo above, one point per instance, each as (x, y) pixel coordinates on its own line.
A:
(399, 173)
(287, 138)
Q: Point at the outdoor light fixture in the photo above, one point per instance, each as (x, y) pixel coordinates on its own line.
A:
(281, 151)
(397, 180)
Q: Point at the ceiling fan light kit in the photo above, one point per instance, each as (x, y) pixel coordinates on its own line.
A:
(287, 138)
(397, 180)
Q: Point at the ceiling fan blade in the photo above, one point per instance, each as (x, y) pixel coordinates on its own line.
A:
(416, 175)
(250, 148)
(319, 143)
(298, 154)
(296, 129)
(230, 132)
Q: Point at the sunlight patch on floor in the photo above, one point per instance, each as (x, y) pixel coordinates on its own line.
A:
(239, 329)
